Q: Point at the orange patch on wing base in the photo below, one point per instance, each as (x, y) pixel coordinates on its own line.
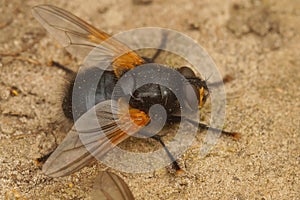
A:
(127, 113)
(201, 92)
(131, 120)
(135, 120)
(126, 62)
(123, 63)
(128, 59)
(139, 117)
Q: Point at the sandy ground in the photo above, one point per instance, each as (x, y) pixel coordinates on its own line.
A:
(256, 42)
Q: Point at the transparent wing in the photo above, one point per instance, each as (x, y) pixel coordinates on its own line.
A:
(108, 185)
(80, 38)
(94, 134)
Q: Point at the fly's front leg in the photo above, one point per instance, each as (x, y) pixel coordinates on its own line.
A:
(234, 135)
(226, 79)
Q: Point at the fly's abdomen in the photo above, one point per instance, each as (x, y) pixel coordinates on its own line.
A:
(90, 87)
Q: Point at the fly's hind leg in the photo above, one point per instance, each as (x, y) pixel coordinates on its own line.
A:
(175, 165)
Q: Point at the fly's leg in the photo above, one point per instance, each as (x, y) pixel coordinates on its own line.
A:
(226, 79)
(62, 67)
(234, 135)
(159, 50)
(41, 160)
(175, 165)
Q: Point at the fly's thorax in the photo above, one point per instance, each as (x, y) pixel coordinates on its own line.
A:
(152, 94)
(156, 84)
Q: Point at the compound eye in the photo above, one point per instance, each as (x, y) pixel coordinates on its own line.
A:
(192, 96)
(186, 72)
